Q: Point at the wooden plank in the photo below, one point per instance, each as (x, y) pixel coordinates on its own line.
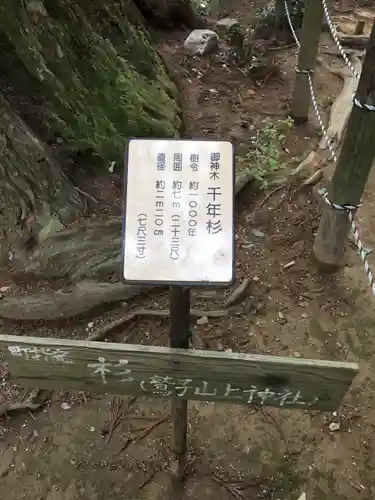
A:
(246, 379)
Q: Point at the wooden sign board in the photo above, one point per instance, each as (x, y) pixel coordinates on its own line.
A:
(179, 212)
(244, 379)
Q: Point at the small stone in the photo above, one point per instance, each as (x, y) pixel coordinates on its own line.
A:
(304, 315)
(257, 233)
(226, 24)
(289, 264)
(90, 324)
(256, 278)
(201, 42)
(4, 289)
(35, 433)
(202, 321)
(303, 497)
(297, 354)
(334, 426)
(92, 429)
(65, 406)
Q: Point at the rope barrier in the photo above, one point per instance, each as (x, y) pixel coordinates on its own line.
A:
(349, 208)
(337, 41)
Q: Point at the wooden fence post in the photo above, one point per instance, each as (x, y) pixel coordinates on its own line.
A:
(352, 170)
(179, 301)
(308, 52)
(279, 13)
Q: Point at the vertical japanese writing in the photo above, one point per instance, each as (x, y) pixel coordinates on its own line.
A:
(174, 253)
(177, 162)
(159, 208)
(141, 235)
(213, 222)
(194, 162)
(193, 208)
(174, 250)
(161, 161)
(193, 196)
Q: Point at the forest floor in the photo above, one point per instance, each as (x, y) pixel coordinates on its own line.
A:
(62, 453)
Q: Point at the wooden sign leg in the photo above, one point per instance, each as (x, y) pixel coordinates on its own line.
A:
(179, 301)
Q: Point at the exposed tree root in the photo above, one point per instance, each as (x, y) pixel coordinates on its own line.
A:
(86, 256)
(338, 119)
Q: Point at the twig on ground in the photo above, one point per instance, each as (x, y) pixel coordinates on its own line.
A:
(238, 293)
(110, 329)
(87, 195)
(232, 489)
(142, 433)
(271, 193)
(102, 333)
(151, 473)
(116, 415)
(282, 47)
(149, 428)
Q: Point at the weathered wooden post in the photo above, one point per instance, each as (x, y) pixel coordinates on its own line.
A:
(179, 303)
(308, 51)
(352, 170)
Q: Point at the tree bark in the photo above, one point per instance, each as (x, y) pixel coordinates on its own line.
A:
(89, 69)
(31, 181)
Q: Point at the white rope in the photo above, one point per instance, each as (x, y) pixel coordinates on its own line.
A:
(350, 209)
(367, 107)
(337, 41)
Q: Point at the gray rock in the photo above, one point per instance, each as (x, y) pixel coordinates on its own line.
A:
(226, 24)
(201, 42)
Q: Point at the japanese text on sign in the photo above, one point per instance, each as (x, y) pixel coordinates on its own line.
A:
(179, 212)
(167, 386)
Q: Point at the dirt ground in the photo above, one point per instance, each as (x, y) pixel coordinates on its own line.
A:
(71, 449)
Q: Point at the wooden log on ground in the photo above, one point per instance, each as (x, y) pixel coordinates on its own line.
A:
(63, 304)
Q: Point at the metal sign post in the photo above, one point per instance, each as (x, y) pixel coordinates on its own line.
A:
(178, 229)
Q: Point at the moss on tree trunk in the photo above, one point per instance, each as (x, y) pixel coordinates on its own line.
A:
(92, 70)
(32, 185)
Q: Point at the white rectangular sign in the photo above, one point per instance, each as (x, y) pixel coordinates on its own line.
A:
(179, 212)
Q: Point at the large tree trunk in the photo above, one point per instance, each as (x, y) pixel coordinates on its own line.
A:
(82, 76)
(32, 185)
(90, 71)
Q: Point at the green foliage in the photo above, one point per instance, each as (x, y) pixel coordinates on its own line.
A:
(266, 148)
